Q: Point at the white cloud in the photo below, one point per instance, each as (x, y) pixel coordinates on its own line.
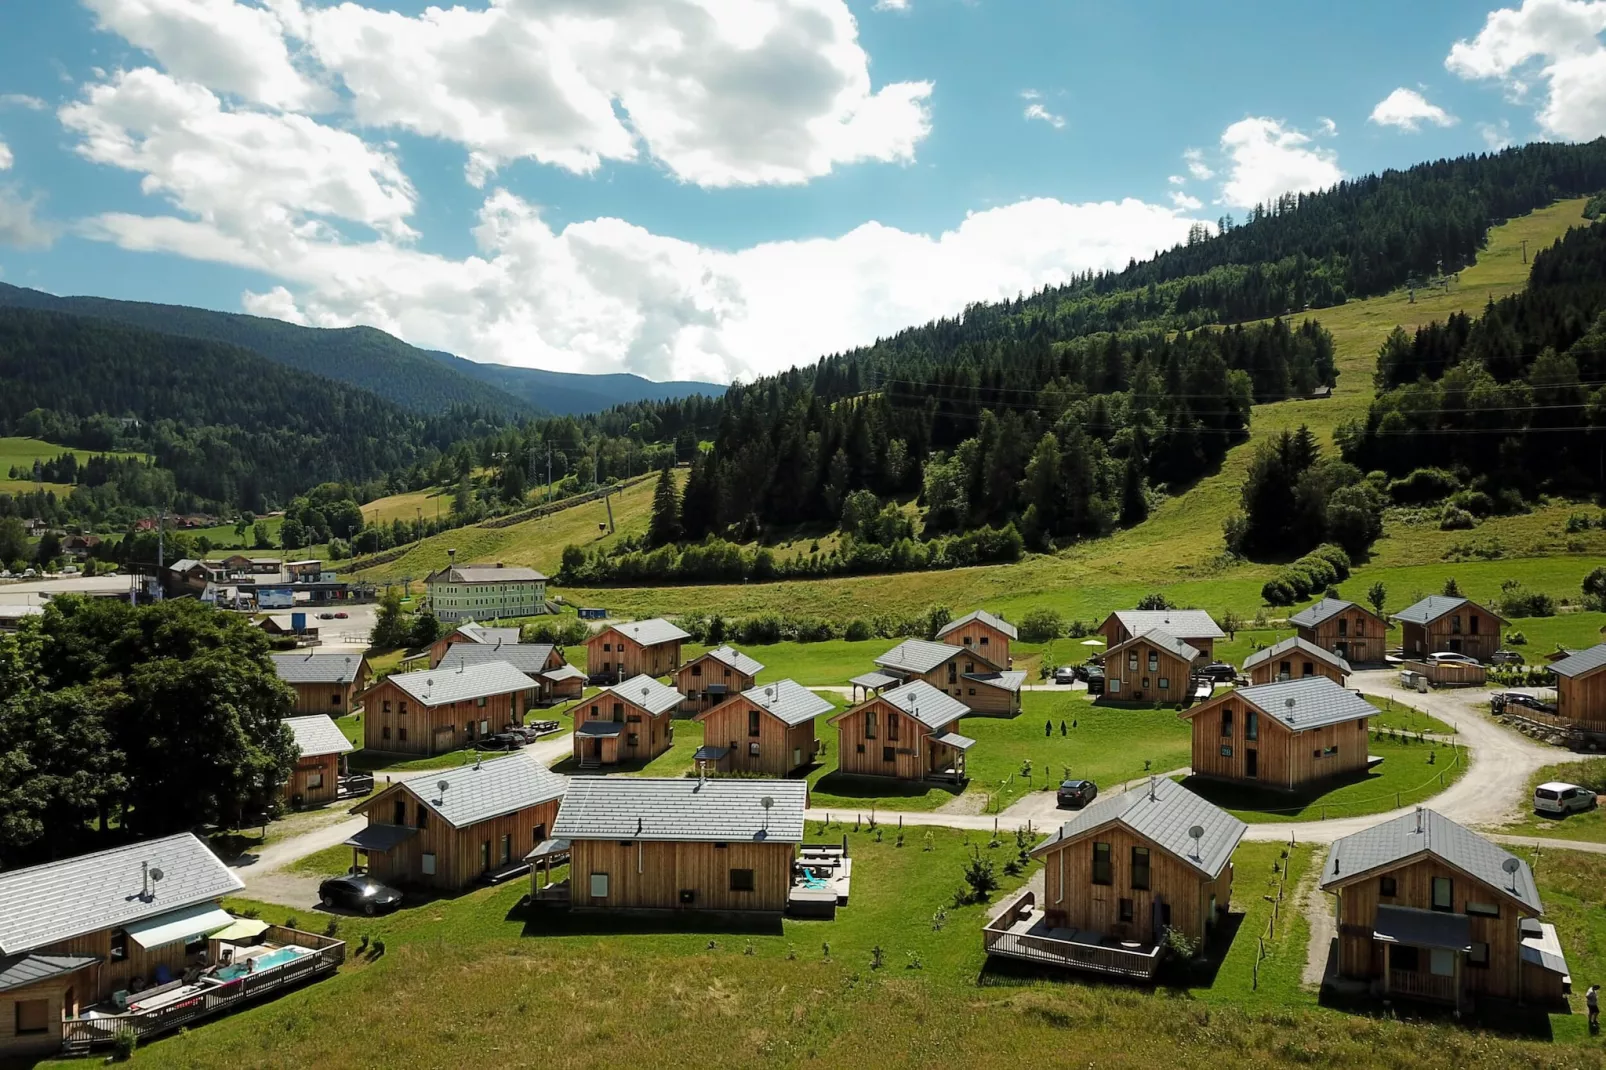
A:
(1407, 110)
(1196, 165)
(230, 47)
(1035, 110)
(1185, 202)
(892, 5)
(1496, 136)
(1328, 128)
(21, 100)
(1176, 180)
(19, 225)
(1268, 158)
(6, 159)
(1556, 41)
(722, 92)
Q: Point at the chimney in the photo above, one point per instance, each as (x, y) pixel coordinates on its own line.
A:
(1154, 787)
(1419, 828)
(1335, 865)
(451, 554)
(144, 880)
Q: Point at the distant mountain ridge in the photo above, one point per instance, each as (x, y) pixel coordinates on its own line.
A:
(421, 380)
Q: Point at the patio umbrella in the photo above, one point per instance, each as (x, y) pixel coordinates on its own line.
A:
(1092, 642)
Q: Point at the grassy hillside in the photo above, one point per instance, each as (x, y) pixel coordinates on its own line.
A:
(24, 451)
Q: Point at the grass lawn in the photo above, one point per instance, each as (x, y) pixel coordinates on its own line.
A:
(1572, 885)
(1590, 825)
(329, 862)
(1400, 717)
(466, 979)
(19, 452)
(1404, 777)
(831, 663)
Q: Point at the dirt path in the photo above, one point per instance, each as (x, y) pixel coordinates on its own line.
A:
(1318, 911)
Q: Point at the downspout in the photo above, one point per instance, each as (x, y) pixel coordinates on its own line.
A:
(1061, 897)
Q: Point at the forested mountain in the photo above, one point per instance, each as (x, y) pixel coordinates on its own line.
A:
(418, 379)
(232, 427)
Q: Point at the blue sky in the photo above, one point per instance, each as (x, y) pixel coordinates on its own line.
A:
(711, 188)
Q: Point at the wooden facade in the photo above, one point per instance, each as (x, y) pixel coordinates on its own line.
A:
(440, 856)
(1178, 895)
(1235, 740)
(984, 639)
(314, 781)
(643, 735)
(612, 654)
(981, 697)
(1355, 634)
(1581, 698)
(876, 738)
(1468, 629)
(1115, 633)
(680, 876)
(1141, 671)
(397, 722)
(1294, 664)
(695, 678)
(335, 699)
(758, 741)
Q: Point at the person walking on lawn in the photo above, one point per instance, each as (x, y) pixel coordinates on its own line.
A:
(1592, 1001)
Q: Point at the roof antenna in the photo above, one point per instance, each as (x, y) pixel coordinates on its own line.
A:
(1154, 788)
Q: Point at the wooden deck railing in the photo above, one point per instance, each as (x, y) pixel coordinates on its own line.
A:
(1416, 985)
(1116, 961)
(82, 1034)
(1448, 673)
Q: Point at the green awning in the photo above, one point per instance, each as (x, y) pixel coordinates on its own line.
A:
(186, 923)
(242, 929)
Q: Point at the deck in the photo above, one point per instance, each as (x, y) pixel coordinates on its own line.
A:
(187, 1003)
(1021, 932)
(821, 876)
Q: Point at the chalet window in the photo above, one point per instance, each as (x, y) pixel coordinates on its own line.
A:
(633, 739)
(696, 670)
(599, 886)
(423, 817)
(618, 711)
(1154, 662)
(1103, 870)
(859, 748)
(983, 640)
(893, 727)
(752, 722)
(741, 880)
(315, 779)
(33, 1016)
(1404, 957)
(1483, 910)
(1145, 682)
(973, 691)
(1284, 669)
(1251, 724)
(727, 674)
(1165, 683)
(119, 949)
(1132, 661)
(869, 724)
(1114, 687)
(334, 699)
(627, 843)
(967, 640)
(401, 707)
(1324, 752)
(537, 834)
(387, 705)
(1479, 955)
(970, 666)
(1307, 669)
(889, 754)
(1387, 887)
(1455, 624)
(1226, 721)
(1443, 894)
(426, 864)
(480, 702)
(1343, 626)
(607, 648)
(1360, 626)
(399, 812)
(721, 846)
(507, 847)
(384, 732)
(401, 733)
(1126, 910)
(1140, 869)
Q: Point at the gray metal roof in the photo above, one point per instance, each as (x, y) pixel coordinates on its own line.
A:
(564, 672)
(1422, 928)
(1322, 609)
(1391, 843)
(997, 623)
(436, 687)
(484, 574)
(789, 700)
(1581, 662)
(1162, 812)
(649, 632)
(1435, 606)
(955, 740)
(380, 838)
(1005, 681)
(18, 971)
(316, 734)
(599, 728)
(528, 658)
(735, 659)
(317, 668)
(476, 792)
(659, 697)
(1185, 623)
(1296, 644)
(920, 655)
(683, 809)
(1163, 640)
(1318, 702)
(875, 681)
(55, 901)
(480, 634)
(926, 704)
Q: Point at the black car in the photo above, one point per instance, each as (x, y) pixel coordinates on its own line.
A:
(1517, 698)
(360, 893)
(1507, 657)
(1075, 794)
(1219, 672)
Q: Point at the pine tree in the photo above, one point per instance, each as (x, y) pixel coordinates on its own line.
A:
(1134, 503)
(664, 527)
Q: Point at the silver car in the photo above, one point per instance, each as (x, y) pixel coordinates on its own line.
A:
(1562, 799)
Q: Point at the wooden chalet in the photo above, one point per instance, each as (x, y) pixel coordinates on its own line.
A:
(628, 722)
(1152, 666)
(1353, 632)
(450, 828)
(984, 633)
(766, 729)
(438, 710)
(475, 634)
(682, 844)
(555, 679)
(1295, 659)
(639, 648)
(709, 679)
(1429, 910)
(1282, 735)
(907, 733)
(1440, 624)
(1193, 626)
(320, 745)
(324, 683)
(1581, 688)
(1117, 876)
(983, 685)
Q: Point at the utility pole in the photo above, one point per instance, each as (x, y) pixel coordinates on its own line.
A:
(161, 554)
(549, 473)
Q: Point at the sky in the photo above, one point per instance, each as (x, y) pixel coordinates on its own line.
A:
(712, 189)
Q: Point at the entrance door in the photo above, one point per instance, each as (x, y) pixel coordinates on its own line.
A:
(1252, 763)
(596, 747)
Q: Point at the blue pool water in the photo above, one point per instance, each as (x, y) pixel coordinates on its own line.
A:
(274, 958)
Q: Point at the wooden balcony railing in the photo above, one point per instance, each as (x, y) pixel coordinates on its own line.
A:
(999, 939)
(1414, 985)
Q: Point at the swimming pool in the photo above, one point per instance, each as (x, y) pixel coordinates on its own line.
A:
(276, 957)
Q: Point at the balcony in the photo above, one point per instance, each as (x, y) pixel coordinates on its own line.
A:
(1022, 932)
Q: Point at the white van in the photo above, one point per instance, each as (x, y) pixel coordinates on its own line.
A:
(1562, 799)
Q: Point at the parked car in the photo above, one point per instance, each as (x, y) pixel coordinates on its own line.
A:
(1065, 674)
(1075, 794)
(504, 741)
(359, 892)
(1450, 657)
(1219, 672)
(326, 616)
(1095, 681)
(1507, 657)
(342, 615)
(1559, 798)
(1503, 699)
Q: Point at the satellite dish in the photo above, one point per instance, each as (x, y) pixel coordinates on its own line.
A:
(157, 874)
(443, 785)
(1511, 865)
(1197, 832)
(766, 802)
